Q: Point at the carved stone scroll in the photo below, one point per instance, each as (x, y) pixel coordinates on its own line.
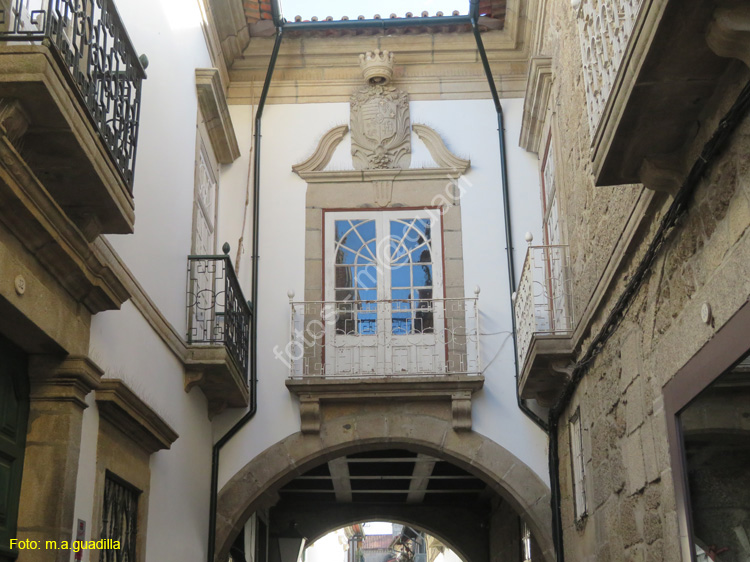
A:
(324, 152)
(439, 152)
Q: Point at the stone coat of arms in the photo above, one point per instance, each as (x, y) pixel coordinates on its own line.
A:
(380, 127)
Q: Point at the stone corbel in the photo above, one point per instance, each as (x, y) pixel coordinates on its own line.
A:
(14, 119)
(663, 173)
(323, 153)
(309, 411)
(382, 192)
(729, 33)
(63, 380)
(443, 157)
(461, 411)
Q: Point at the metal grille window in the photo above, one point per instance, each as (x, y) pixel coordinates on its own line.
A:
(576, 455)
(119, 519)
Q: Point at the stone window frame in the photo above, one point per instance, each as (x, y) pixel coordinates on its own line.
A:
(204, 151)
(549, 192)
(727, 347)
(130, 431)
(577, 452)
(357, 198)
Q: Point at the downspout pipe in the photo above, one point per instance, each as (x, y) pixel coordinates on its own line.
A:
(551, 427)
(253, 378)
(474, 16)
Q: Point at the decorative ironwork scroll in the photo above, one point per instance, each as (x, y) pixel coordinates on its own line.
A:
(397, 337)
(119, 520)
(543, 299)
(218, 313)
(93, 46)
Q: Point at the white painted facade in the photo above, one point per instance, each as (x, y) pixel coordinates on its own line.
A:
(125, 345)
(469, 128)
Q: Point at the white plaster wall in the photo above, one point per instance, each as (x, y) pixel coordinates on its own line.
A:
(126, 347)
(122, 342)
(290, 134)
(169, 33)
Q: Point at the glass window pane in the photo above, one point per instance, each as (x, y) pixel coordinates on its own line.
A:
(400, 277)
(355, 241)
(344, 276)
(422, 275)
(398, 294)
(367, 277)
(370, 296)
(717, 454)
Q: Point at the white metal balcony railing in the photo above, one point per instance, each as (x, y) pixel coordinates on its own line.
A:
(542, 302)
(414, 337)
(605, 28)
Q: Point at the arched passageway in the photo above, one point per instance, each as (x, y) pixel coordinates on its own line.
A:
(312, 539)
(493, 477)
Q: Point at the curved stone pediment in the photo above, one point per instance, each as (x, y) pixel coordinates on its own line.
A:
(448, 164)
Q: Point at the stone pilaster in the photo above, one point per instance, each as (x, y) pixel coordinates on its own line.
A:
(58, 391)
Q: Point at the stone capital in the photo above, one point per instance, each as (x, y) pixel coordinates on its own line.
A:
(68, 379)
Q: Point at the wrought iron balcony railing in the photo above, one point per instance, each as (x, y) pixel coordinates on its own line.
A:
(383, 338)
(92, 45)
(217, 311)
(605, 28)
(542, 302)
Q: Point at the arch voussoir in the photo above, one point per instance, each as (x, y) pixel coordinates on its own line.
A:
(256, 484)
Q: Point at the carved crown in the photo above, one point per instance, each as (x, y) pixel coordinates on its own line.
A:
(377, 66)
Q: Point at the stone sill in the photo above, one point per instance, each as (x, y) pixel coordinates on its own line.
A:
(546, 368)
(212, 369)
(312, 391)
(62, 147)
(127, 412)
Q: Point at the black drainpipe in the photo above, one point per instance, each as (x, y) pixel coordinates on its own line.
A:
(474, 15)
(278, 21)
(550, 428)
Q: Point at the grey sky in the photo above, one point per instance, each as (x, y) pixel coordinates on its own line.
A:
(368, 8)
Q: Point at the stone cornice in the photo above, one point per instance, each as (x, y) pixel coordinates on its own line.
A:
(535, 102)
(38, 222)
(63, 379)
(140, 299)
(231, 28)
(430, 66)
(213, 104)
(357, 176)
(315, 391)
(119, 405)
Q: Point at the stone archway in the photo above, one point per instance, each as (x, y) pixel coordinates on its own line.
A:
(413, 426)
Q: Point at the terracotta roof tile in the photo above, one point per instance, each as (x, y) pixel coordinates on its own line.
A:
(492, 16)
(377, 542)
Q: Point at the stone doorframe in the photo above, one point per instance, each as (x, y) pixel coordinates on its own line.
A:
(403, 425)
